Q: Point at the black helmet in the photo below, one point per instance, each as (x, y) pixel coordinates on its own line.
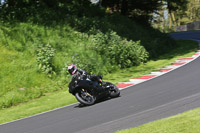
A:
(72, 69)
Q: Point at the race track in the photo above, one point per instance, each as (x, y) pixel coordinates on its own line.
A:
(190, 35)
(169, 94)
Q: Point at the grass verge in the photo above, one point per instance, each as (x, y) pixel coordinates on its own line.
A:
(187, 122)
(62, 98)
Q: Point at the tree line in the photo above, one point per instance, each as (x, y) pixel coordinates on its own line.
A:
(178, 11)
(138, 9)
(185, 12)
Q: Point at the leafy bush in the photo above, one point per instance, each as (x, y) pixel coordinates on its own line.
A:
(45, 54)
(105, 53)
(119, 51)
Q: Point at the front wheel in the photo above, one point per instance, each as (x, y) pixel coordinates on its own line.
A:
(114, 91)
(84, 97)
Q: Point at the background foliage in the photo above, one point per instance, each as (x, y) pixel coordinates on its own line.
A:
(174, 13)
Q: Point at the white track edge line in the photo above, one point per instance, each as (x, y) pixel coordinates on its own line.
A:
(39, 114)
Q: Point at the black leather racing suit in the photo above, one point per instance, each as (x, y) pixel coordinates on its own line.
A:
(93, 77)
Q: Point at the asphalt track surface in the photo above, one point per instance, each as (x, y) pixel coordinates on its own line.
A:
(190, 35)
(164, 96)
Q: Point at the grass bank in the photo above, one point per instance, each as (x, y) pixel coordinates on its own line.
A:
(61, 98)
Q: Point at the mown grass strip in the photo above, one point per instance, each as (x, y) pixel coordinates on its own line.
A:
(63, 98)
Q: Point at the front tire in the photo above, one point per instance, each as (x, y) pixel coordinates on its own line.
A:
(85, 98)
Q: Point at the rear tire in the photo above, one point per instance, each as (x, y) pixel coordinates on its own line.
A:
(85, 99)
(114, 92)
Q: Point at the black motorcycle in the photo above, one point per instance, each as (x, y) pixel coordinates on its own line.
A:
(85, 90)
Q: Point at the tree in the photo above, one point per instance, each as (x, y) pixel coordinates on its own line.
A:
(139, 9)
(175, 8)
(176, 11)
(193, 10)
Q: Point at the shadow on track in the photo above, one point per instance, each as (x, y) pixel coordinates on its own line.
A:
(80, 105)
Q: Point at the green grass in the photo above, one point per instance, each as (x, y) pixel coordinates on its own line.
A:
(61, 98)
(20, 80)
(187, 122)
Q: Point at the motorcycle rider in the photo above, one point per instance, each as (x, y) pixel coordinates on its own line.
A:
(72, 69)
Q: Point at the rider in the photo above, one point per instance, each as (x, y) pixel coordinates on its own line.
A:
(72, 69)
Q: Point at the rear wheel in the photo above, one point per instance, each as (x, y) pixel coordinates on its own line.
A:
(84, 97)
(114, 91)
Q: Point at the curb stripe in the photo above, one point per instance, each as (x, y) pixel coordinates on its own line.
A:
(180, 62)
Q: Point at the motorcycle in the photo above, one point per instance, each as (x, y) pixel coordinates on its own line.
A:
(85, 90)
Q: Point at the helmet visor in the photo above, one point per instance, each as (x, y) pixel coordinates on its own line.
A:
(70, 71)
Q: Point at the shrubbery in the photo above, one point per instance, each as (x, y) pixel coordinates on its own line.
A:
(45, 54)
(104, 53)
(120, 52)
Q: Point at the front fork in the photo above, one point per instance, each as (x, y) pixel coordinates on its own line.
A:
(85, 92)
